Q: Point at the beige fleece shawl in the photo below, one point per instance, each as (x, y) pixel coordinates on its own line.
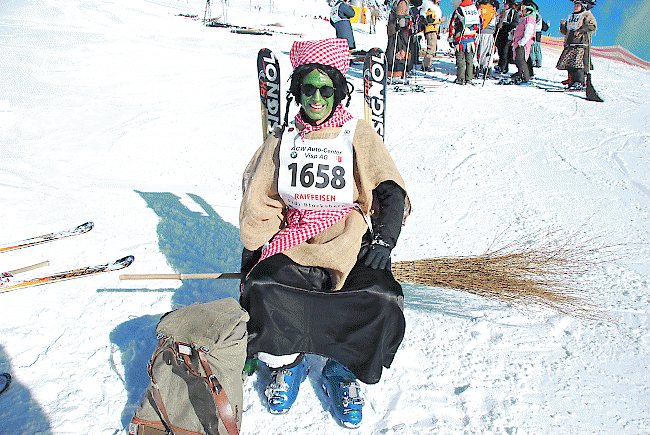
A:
(262, 210)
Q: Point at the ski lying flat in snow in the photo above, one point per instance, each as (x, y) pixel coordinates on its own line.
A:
(81, 229)
(6, 285)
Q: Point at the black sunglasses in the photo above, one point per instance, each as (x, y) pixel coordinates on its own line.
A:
(308, 90)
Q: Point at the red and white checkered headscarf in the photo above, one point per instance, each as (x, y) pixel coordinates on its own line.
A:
(334, 52)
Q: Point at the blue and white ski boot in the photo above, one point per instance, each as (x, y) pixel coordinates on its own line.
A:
(281, 393)
(342, 388)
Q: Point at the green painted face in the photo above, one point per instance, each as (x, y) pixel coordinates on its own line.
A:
(316, 106)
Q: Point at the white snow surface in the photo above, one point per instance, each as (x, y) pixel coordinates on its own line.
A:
(123, 113)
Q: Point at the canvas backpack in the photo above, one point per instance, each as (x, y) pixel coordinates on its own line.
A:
(196, 372)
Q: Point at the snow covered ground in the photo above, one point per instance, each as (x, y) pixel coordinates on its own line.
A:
(122, 113)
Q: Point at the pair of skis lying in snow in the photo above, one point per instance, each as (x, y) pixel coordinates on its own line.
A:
(6, 278)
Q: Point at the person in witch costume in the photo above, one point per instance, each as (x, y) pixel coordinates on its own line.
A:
(522, 42)
(577, 31)
(323, 205)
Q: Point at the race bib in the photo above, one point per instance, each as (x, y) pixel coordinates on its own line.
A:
(470, 15)
(574, 21)
(317, 174)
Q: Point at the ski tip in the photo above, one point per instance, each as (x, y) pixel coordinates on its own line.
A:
(125, 261)
(84, 228)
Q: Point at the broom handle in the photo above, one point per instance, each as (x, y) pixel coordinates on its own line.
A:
(32, 267)
(182, 276)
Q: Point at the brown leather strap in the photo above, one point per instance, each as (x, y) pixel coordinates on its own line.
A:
(220, 398)
(221, 401)
(155, 393)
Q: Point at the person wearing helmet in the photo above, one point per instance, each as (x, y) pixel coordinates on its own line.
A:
(322, 208)
(577, 31)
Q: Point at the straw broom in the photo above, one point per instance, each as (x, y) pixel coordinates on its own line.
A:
(543, 270)
(549, 273)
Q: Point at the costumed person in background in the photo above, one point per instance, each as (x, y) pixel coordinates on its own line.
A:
(400, 38)
(433, 19)
(507, 20)
(486, 37)
(464, 27)
(575, 57)
(340, 15)
(522, 43)
(318, 228)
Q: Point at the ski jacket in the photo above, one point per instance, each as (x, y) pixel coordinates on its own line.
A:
(464, 25)
(340, 18)
(524, 35)
(578, 28)
(263, 213)
(432, 15)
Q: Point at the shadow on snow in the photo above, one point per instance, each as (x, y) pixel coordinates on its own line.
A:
(192, 243)
(19, 412)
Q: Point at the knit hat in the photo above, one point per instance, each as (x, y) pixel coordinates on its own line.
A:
(334, 52)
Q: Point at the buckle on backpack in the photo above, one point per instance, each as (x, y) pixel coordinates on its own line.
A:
(215, 383)
(184, 348)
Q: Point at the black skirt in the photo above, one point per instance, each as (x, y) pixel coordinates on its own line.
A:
(293, 309)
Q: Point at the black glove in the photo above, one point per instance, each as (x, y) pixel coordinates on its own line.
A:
(376, 255)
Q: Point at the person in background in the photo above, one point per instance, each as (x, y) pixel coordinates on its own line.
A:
(433, 20)
(536, 53)
(464, 26)
(522, 42)
(401, 38)
(340, 15)
(486, 37)
(507, 20)
(374, 15)
(575, 57)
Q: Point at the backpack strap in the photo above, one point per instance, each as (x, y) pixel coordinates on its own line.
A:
(220, 399)
(182, 352)
(163, 343)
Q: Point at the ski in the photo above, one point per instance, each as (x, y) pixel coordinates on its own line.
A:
(7, 285)
(81, 229)
(5, 381)
(268, 74)
(411, 88)
(374, 90)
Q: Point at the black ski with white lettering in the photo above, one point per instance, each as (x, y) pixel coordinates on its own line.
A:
(374, 89)
(268, 73)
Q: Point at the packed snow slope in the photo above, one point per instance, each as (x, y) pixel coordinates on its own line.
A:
(123, 113)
